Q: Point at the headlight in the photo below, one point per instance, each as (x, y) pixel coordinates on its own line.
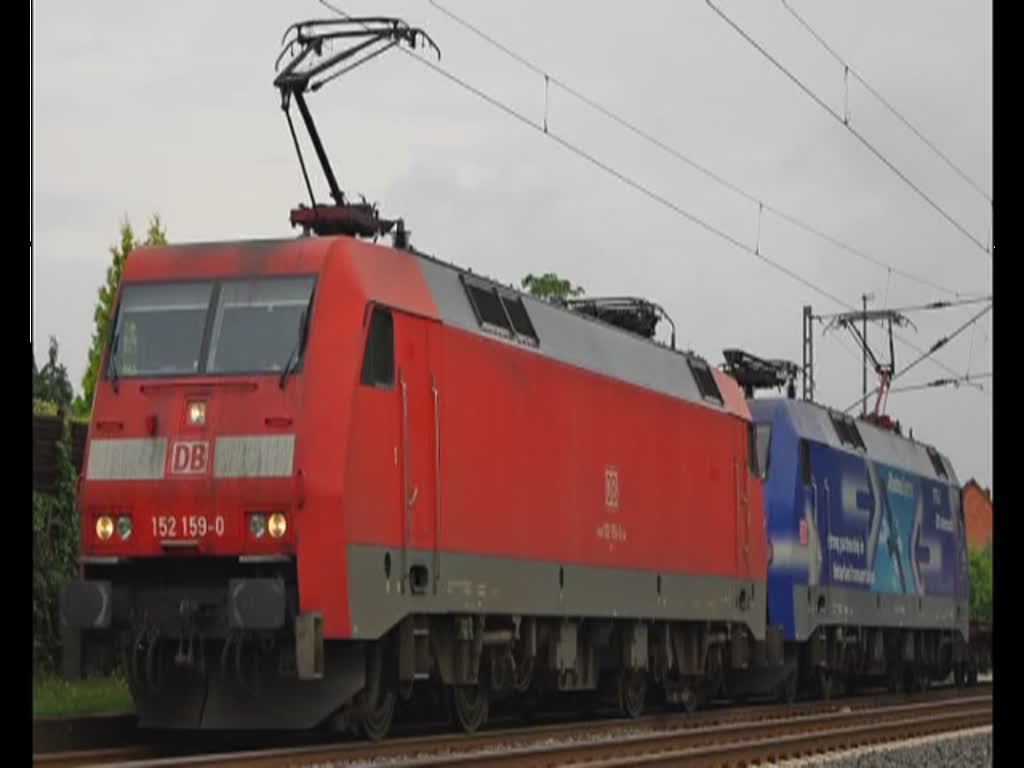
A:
(257, 524)
(197, 413)
(104, 527)
(124, 527)
(278, 525)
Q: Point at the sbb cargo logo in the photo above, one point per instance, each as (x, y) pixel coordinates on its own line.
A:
(190, 457)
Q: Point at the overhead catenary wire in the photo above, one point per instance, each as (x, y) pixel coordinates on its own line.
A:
(929, 306)
(934, 360)
(871, 147)
(849, 70)
(632, 127)
(970, 353)
(966, 378)
(625, 179)
(546, 131)
(551, 79)
(841, 341)
(924, 356)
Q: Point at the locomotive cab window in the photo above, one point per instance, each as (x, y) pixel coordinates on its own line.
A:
(379, 355)
(216, 327)
(259, 325)
(159, 329)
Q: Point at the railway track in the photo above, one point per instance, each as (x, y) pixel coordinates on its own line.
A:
(715, 737)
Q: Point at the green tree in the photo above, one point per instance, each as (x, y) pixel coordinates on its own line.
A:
(155, 235)
(51, 383)
(550, 286)
(980, 574)
(54, 554)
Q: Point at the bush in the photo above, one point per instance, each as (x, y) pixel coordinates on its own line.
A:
(980, 571)
(54, 556)
(42, 407)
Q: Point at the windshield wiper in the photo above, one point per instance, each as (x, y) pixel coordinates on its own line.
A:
(293, 358)
(112, 363)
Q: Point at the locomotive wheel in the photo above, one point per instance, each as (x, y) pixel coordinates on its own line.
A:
(377, 722)
(470, 704)
(823, 683)
(134, 655)
(958, 675)
(972, 673)
(377, 702)
(632, 692)
(787, 691)
(523, 675)
(910, 678)
(691, 696)
(852, 684)
(895, 680)
(155, 678)
(922, 680)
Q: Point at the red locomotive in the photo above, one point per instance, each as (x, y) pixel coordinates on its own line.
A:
(322, 470)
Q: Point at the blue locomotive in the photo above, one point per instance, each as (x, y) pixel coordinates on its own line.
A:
(867, 557)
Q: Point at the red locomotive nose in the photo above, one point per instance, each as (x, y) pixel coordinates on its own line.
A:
(151, 424)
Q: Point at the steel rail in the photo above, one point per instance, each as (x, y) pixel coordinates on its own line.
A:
(656, 739)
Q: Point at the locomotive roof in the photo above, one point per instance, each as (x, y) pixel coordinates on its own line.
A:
(558, 332)
(586, 342)
(818, 423)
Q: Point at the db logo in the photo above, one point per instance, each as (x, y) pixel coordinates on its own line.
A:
(611, 487)
(190, 458)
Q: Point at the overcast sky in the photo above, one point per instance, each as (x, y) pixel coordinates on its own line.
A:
(142, 107)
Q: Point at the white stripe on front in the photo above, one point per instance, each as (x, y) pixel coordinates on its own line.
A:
(140, 458)
(254, 456)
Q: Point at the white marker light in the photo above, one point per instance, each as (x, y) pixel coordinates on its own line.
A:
(197, 413)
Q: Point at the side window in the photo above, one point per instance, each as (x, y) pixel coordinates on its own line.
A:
(379, 355)
(500, 311)
(705, 380)
(805, 462)
(846, 431)
(752, 457)
(937, 465)
(763, 438)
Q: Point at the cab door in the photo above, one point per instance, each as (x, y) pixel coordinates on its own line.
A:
(743, 467)
(417, 358)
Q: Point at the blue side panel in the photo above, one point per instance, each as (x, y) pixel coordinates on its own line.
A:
(841, 518)
(925, 525)
(859, 524)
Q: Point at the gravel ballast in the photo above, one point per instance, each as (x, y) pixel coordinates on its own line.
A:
(971, 748)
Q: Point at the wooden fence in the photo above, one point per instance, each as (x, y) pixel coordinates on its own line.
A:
(46, 431)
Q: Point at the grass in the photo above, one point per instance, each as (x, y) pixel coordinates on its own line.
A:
(53, 696)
